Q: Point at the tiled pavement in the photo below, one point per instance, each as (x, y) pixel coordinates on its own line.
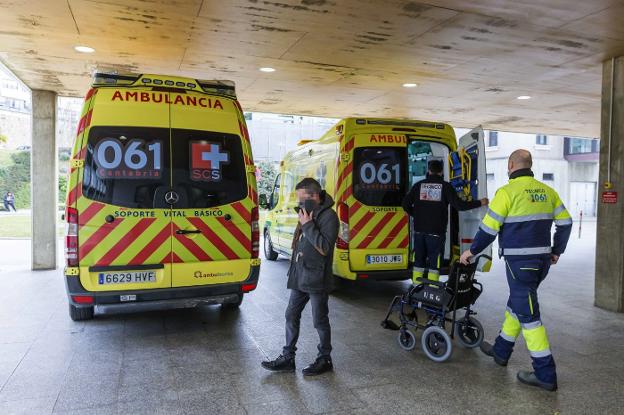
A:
(207, 360)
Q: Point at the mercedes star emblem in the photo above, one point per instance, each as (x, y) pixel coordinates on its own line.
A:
(171, 197)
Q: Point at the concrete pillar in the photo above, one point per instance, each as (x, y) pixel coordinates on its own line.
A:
(43, 173)
(609, 293)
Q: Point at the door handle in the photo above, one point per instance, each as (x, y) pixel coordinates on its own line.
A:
(184, 231)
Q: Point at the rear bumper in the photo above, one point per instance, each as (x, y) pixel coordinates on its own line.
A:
(393, 275)
(159, 299)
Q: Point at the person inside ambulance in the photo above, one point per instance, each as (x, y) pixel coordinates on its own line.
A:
(310, 276)
(522, 214)
(427, 203)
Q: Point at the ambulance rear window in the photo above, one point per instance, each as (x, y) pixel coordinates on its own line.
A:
(379, 175)
(124, 166)
(208, 168)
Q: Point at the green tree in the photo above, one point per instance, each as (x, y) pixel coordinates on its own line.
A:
(267, 171)
(3, 139)
(62, 188)
(15, 178)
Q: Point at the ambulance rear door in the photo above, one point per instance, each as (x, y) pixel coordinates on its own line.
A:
(471, 150)
(124, 235)
(212, 213)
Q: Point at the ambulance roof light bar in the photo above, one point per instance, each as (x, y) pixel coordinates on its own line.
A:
(113, 78)
(386, 122)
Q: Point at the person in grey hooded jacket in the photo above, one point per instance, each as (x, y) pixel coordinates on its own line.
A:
(310, 277)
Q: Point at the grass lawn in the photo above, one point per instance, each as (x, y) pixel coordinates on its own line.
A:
(5, 157)
(19, 226)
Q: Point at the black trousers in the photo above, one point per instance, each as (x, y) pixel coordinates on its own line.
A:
(428, 251)
(320, 316)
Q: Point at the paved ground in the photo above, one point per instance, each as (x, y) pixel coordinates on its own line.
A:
(207, 361)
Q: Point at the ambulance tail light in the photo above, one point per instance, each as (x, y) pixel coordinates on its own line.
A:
(83, 299)
(343, 232)
(255, 233)
(249, 287)
(71, 237)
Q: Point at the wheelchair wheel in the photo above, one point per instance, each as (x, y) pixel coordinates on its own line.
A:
(436, 343)
(407, 340)
(469, 332)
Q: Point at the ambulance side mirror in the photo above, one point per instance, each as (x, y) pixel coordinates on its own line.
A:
(263, 202)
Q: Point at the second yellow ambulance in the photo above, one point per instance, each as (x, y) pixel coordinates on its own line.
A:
(368, 165)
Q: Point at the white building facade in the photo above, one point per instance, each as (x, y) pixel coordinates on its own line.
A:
(567, 164)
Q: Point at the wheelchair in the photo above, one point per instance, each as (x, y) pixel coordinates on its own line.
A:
(447, 306)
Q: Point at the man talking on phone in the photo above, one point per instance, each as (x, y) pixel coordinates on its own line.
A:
(310, 277)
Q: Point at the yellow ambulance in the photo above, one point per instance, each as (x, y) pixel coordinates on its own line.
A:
(161, 205)
(368, 165)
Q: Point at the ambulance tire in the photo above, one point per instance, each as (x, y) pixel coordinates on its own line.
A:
(341, 283)
(80, 313)
(269, 253)
(436, 343)
(234, 305)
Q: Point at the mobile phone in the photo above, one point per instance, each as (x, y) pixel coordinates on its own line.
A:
(308, 206)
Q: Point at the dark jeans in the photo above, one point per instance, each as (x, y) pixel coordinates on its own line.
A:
(428, 250)
(8, 206)
(320, 316)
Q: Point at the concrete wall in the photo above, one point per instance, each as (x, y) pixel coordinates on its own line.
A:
(609, 288)
(43, 177)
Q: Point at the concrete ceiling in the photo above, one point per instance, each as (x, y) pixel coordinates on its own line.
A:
(471, 58)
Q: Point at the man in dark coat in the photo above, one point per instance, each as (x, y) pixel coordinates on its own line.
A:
(427, 203)
(310, 277)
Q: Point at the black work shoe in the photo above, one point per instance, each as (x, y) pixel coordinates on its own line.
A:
(529, 378)
(281, 364)
(320, 366)
(488, 349)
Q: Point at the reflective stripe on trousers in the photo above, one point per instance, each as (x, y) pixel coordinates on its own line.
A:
(524, 276)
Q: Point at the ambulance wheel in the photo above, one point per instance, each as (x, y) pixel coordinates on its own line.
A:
(269, 253)
(234, 305)
(436, 343)
(80, 313)
(469, 332)
(407, 340)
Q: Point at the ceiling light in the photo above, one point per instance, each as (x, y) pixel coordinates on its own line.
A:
(267, 69)
(410, 85)
(84, 49)
(524, 97)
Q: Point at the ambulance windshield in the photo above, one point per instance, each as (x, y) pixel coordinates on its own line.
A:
(124, 166)
(379, 175)
(208, 168)
(131, 167)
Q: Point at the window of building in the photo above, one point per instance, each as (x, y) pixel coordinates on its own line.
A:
(580, 146)
(548, 177)
(541, 140)
(493, 139)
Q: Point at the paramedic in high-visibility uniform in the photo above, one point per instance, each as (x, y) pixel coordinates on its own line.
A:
(427, 203)
(522, 214)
